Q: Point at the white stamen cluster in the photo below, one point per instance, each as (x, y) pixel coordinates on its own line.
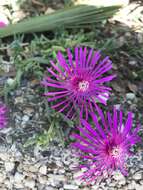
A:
(83, 86)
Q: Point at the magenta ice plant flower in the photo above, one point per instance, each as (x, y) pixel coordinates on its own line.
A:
(78, 82)
(2, 24)
(3, 21)
(3, 118)
(105, 146)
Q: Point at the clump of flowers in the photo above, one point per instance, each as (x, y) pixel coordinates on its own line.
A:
(3, 118)
(79, 82)
(105, 147)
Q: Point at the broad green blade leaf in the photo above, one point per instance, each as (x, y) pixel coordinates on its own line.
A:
(78, 16)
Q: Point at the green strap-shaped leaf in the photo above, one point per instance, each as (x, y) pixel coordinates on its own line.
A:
(78, 16)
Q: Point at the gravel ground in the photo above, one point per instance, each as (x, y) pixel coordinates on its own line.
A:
(49, 168)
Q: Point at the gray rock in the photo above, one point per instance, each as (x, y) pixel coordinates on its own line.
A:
(130, 96)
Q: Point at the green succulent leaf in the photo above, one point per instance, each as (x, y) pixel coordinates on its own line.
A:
(76, 16)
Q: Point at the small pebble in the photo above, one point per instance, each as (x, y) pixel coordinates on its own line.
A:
(9, 166)
(137, 176)
(18, 177)
(130, 96)
(133, 62)
(43, 170)
(70, 187)
(25, 118)
(29, 183)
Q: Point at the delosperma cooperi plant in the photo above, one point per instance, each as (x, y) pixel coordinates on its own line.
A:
(104, 146)
(3, 115)
(78, 83)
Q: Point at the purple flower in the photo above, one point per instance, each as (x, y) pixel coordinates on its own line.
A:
(3, 119)
(3, 21)
(2, 24)
(78, 83)
(106, 147)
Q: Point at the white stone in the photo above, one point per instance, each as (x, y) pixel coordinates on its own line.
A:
(25, 118)
(138, 187)
(19, 185)
(55, 177)
(70, 187)
(49, 10)
(61, 171)
(118, 106)
(130, 96)
(10, 81)
(132, 62)
(43, 170)
(76, 179)
(52, 179)
(131, 185)
(32, 168)
(30, 183)
(8, 184)
(137, 176)
(49, 188)
(125, 188)
(28, 111)
(120, 178)
(43, 179)
(4, 156)
(18, 177)
(9, 166)
(2, 178)
(103, 2)
(95, 187)
(19, 100)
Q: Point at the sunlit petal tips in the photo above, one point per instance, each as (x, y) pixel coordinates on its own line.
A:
(105, 147)
(3, 118)
(78, 82)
